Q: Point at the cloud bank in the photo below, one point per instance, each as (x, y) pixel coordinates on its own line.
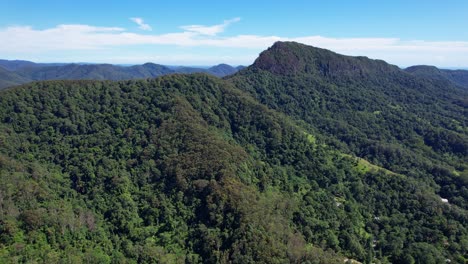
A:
(73, 38)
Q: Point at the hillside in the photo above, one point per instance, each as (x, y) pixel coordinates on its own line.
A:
(307, 156)
(175, 168)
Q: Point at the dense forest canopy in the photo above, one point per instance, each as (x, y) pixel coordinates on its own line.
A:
(306, 156)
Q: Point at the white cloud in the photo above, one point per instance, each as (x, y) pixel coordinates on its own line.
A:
(210, 30)
(25, 41)
(141, 24)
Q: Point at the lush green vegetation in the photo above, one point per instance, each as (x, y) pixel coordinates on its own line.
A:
(191, 169)
(373, 110)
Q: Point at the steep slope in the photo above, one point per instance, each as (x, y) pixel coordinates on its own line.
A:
(8, 78)
(187, 168)
(407, 124)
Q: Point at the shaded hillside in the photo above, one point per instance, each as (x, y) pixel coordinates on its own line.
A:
(187, 168)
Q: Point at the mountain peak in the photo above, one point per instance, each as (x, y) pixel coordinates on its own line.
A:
(292, 58)
(283, 58)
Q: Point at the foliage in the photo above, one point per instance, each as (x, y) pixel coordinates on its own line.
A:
(191, 169)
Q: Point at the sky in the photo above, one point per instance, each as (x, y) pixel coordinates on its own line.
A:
(404, 33)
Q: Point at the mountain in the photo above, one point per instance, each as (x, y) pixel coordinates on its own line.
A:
(376, 111)
(306, 156)
(357, 102)
(458, 77)
(30, 71)
(289, 58)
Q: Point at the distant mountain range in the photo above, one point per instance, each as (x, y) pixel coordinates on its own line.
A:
(16, 72)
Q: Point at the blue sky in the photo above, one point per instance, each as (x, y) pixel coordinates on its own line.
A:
(235, 32)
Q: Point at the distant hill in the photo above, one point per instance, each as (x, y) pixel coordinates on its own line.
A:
(222, 70)
(458, 77)
(26, 71)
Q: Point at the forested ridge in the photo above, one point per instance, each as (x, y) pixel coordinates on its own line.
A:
(288, 161)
